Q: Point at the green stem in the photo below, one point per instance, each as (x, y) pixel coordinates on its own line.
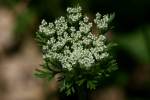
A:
(81, 94)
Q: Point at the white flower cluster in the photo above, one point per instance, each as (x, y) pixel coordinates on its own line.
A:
(75, 44)
(74, 13)
(101, 21)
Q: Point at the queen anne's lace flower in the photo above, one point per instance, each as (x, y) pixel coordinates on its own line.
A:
(75, 44)
(76, 47)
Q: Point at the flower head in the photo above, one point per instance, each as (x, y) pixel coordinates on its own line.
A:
(79, 46)
(69, 43)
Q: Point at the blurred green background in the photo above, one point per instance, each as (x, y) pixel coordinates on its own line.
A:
(19, 20)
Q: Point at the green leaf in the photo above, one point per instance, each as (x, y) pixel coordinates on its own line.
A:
(91, 85)
(43, 74)
(68, 92)
(80, 82)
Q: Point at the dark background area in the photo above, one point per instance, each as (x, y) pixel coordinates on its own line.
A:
(131, 31)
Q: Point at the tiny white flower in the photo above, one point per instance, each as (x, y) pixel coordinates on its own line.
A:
(98, 15)
(72, 29)
(43, 22)
(85, 19)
